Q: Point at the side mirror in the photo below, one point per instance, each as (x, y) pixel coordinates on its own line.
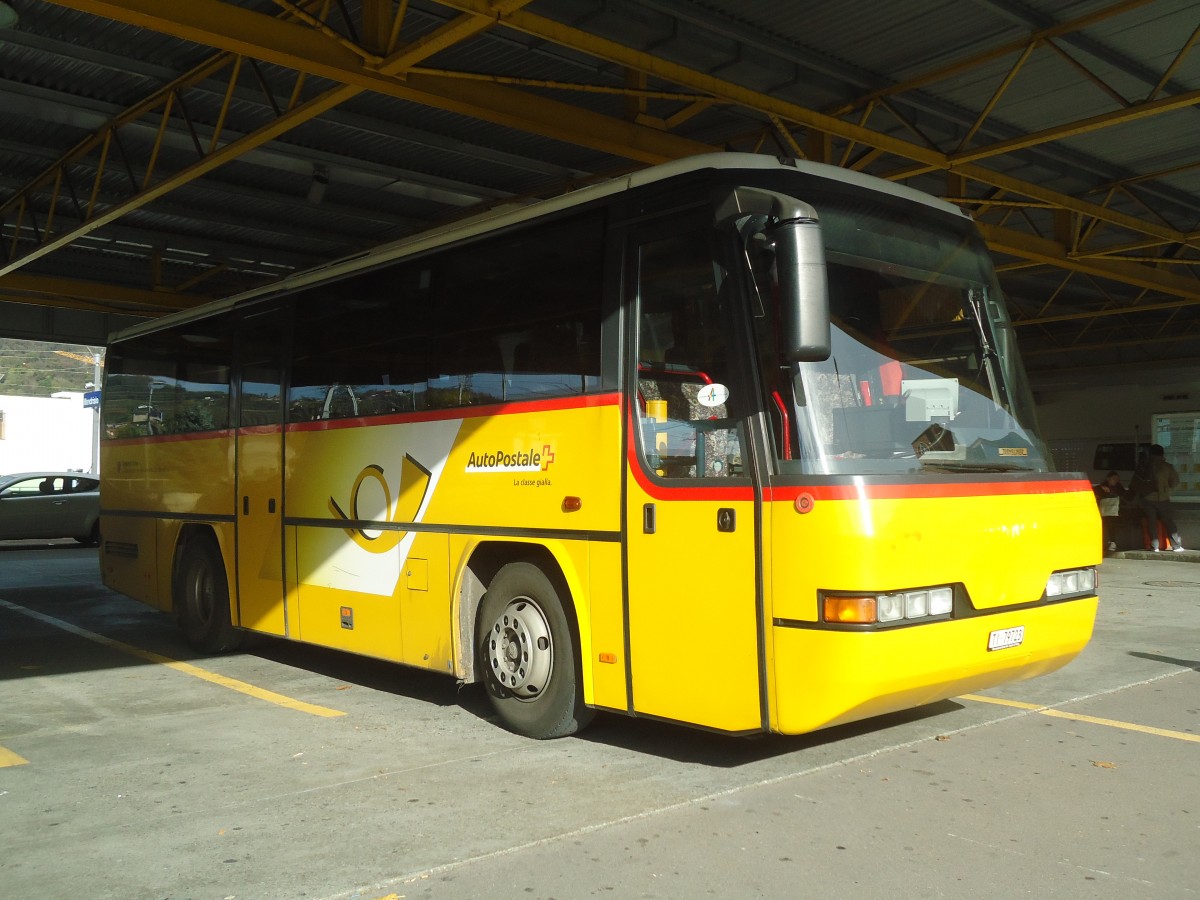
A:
(799, 262)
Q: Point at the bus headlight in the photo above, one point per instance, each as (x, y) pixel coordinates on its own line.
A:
(941, 601)
(1071, 583)
(907, 606)
(891, 607)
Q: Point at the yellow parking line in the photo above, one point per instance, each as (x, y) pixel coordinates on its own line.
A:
(999, 702)
(1077, 717)
(187, 668)
(8, 758)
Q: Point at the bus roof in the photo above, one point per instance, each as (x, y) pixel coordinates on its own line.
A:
(512, 213)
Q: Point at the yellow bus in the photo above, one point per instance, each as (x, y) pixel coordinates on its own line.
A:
(732, 442)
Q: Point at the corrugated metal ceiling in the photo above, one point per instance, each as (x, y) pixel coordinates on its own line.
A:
(1066, 128)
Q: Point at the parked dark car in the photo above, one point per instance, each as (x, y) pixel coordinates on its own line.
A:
(50, 505)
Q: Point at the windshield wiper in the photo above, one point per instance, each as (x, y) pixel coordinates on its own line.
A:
(991, 359)
(952, 466)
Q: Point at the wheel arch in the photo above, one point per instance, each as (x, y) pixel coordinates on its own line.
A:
(487, 558)
(91, 529)
(203, 592)
(189, 533)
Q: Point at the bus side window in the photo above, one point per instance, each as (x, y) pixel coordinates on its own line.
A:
(551, 360)
(174, 381)
(472, 374)
(517, 311)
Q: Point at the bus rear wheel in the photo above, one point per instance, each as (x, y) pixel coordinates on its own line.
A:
(202, 598)
(528, 654)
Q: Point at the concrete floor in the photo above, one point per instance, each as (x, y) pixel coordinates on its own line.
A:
(129, 768)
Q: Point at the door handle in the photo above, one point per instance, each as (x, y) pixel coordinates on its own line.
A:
(648, 518)
(245, 505)
(726, 519)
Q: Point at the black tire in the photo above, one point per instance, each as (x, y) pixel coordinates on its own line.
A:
(202, 598)
(529, 655)
(93, 539)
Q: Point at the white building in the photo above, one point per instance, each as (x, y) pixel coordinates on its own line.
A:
(46, 433)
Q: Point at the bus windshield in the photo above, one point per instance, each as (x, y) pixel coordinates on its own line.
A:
(923, 373)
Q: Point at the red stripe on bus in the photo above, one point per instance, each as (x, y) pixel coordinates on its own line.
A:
(679, 489)
(684, 490)
(914, 491)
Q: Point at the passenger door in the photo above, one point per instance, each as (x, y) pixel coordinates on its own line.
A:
(259, 449)
(691, 514)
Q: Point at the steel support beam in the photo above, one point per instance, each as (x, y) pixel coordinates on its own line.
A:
(931, 159)
(1052, 253)
(19, 287)
(296, 46)
(285, 43)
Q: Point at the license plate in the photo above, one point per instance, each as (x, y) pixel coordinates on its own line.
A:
(1006, 637)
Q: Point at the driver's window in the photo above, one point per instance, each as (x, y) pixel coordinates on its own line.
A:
(685, 396)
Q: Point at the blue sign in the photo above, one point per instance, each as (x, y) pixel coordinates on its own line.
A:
(91, 400)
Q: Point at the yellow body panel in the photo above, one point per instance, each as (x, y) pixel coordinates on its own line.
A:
(148, 487)
(576, 456)
(509, 472)
(825, 678)
(699, 642)
(428, 634)
(693, 628)
(128, 561)
(191, 476)
(1002, 547)
(375, 617)
(260, 587)
(605, 628)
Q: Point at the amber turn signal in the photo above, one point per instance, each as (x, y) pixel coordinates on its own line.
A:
(854, 610)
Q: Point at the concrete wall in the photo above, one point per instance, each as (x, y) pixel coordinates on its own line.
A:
(1082, 409)
(45, 433)
(1112, 412)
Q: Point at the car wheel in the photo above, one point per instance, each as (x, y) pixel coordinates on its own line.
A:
(529, 655)
(93, 539)
(202, 598)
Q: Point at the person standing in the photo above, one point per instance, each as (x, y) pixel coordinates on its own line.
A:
(1157, 503)
(1108, 497)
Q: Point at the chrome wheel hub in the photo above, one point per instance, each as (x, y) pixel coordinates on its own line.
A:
(520, 651)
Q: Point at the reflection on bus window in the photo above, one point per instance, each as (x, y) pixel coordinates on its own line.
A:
(509, 319)
(172, 382)
(922, 371)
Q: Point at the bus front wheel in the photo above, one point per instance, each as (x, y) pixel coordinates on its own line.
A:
(202, 598)
(528, 655)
